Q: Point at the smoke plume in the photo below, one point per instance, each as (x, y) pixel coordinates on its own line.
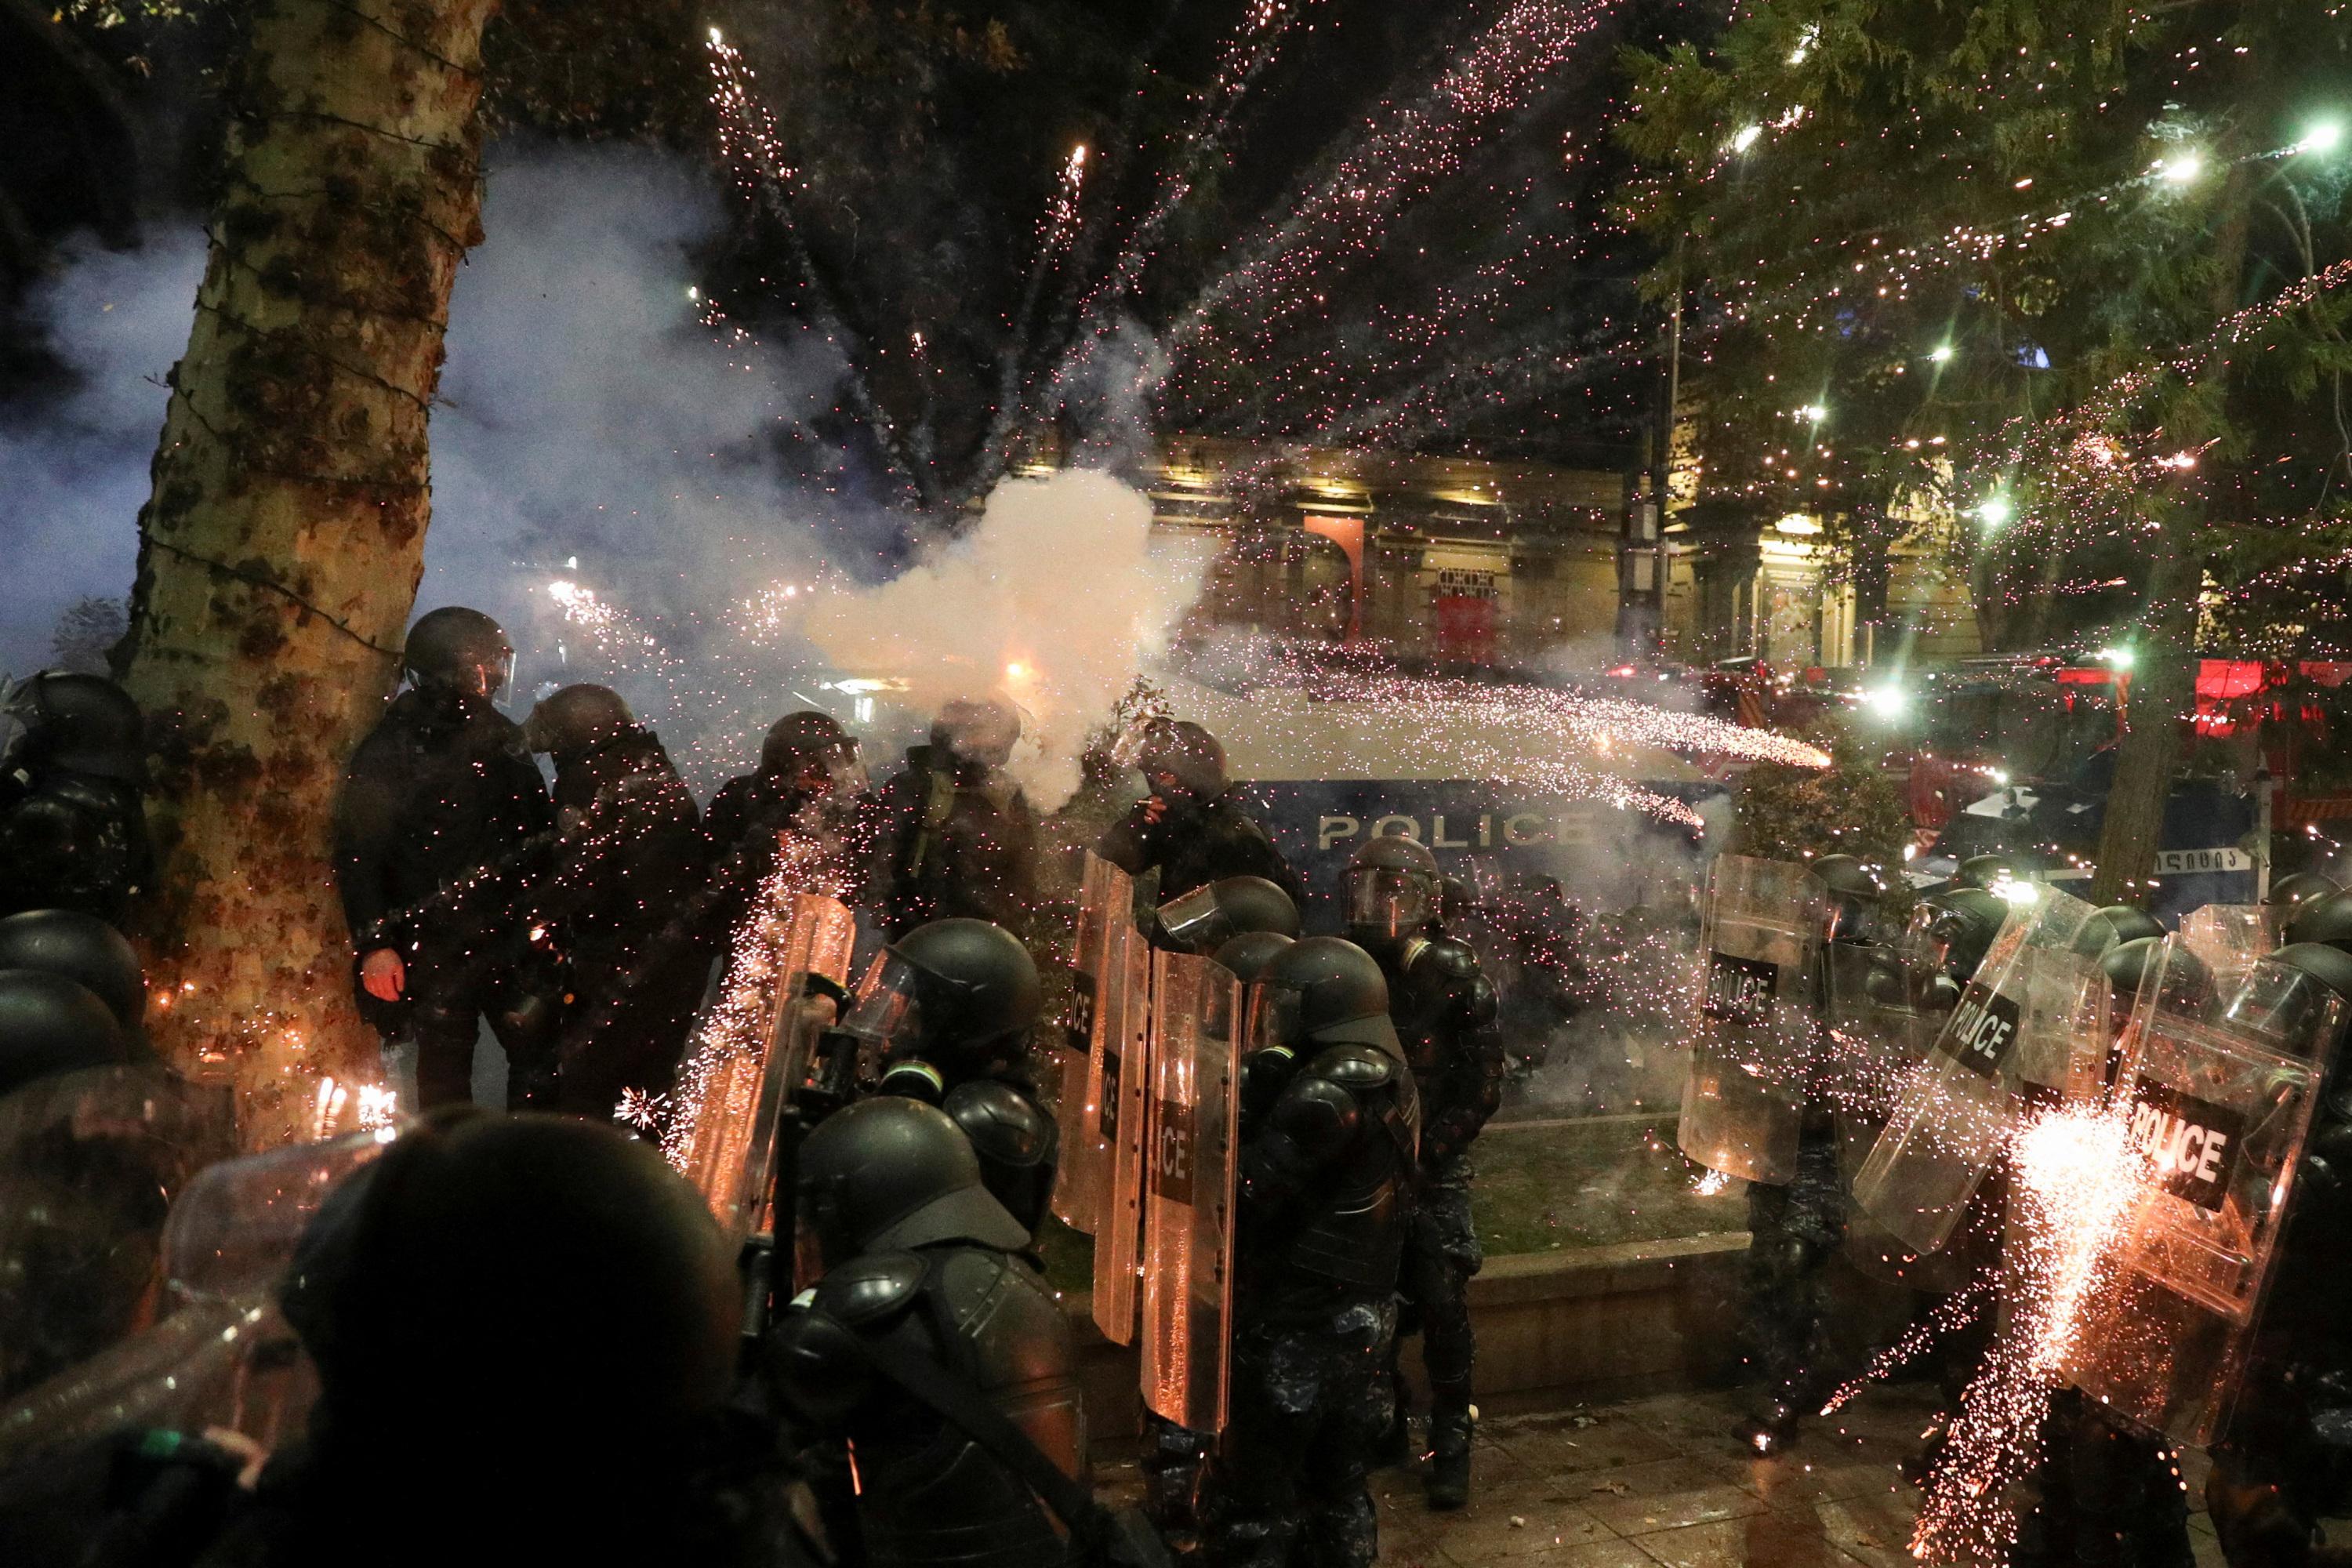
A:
(1054, 600)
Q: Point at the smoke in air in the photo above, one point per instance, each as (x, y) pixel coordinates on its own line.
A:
(1053, 600)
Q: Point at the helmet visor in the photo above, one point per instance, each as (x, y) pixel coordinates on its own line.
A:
(846, 773)
(1272, 1020)
(1387, 901)
(886, 1009)
(2288, 1008)
(1196, 921)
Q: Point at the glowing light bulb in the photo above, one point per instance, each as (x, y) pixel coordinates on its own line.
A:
(1995, 511)
(1746, 138)
(1941, 354)
(2180, 168)
(2325, 136)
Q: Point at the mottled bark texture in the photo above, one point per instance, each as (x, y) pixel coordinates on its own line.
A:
(280, 552)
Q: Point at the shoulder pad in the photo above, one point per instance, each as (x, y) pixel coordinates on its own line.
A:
(1318, 1115)
(1005, 1125)
(1357, 1068)
(1449, 956)
(870, 1289)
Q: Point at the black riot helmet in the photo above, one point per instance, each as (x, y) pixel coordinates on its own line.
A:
(955, 990)
(2112, 924)
(2289, 894)
(2327, 920)
(458, 652)
(1247, 954)
(888, 1173)
(85, 949)
(1984, 871)
(980, 730)
(1181, 758)
(1391, 889)
(1323, 991)
(2292, 991)
(50, 1023)
(423, 1290)
(575, 718)
(1213, 914)
(78, 723)
(1956, 928)
(1854, 888)
(811, 751)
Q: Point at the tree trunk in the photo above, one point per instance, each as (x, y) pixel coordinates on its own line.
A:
(2164, 693)
(279, 554)
(2163, 690)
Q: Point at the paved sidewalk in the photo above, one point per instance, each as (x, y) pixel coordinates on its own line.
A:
(1659, 1481)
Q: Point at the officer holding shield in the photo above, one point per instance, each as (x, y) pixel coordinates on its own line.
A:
(1444, 1009)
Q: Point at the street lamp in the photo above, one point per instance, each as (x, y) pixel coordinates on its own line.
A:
(2322, 136)
(1746, 138)
(1941, 354)
(2181, 167)
(1995, 511)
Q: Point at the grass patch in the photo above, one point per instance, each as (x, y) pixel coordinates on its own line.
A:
(1577, 1183)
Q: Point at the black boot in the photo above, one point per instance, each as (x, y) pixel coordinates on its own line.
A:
(1448, 1481)
(1395, 1451)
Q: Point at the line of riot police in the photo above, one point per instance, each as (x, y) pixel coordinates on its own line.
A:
(1871, 1078)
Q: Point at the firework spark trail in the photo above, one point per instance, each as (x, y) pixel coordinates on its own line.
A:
(1253, 46)
(1599, 724)
(748, 139)
(1057, 230)
(2077, 1174)
(1950, 1315)
(1396, 164)
(732, 1033)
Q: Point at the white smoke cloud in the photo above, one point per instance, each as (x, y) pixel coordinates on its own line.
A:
(1055, 599)
(73, 465)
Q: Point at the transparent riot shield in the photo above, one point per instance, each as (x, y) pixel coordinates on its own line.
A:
(1122, 1078)
(90, 1164)
(1885, 1010)
(1954, 1113)
(2219, 1100)
(1765, 920)
(1188, 1218)
(1105, 905)
(722, 1125)
(2229, 938)
(221, 1354)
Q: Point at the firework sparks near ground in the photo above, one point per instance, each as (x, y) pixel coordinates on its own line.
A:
(2077, 1174)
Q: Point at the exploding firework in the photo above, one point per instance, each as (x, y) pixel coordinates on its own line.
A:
(2077, 1175)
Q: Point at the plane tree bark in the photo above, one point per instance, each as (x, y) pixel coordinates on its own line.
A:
(281, 548)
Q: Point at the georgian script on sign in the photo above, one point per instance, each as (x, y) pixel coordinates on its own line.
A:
(2193, 1144)
(1983, 1031)
(1740, 990)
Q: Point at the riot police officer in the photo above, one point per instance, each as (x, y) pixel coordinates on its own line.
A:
(809, 789)
(1190, 827)
(599, 1430)
(1326, 1196)
(954, 835)
(1214, 913)
(85, 949)
(952, 1006)
(922, 1266)
(2284, 1461)
(73, 830)
(439, 814)
(1795, 1230)
(627, 853)
(1444, 1009)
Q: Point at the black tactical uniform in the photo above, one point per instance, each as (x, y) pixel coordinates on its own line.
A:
(810, 788)
(1795, 1230)
(950, 1006)
(1190, 828)
(2284, 1461)
(440, 819)
(920, 1263)
(628, 853)
(1444, 1009)
(1325, 1202)
(1245, 921)
(953, 834)
(73, 831)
